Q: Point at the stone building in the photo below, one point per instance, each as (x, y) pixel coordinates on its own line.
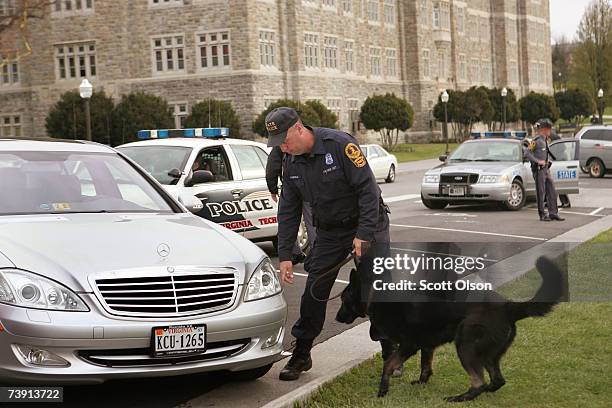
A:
(252, 52)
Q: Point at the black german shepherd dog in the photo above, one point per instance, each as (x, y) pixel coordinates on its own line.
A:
(482, 331)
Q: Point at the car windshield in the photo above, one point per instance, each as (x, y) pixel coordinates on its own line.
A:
(159, 160)
(487, 152)
(44, 182)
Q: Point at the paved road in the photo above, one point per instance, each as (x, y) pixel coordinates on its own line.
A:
(411, 222)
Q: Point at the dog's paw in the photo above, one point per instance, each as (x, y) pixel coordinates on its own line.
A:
(382, 392)
(418, 382)
(458, 398)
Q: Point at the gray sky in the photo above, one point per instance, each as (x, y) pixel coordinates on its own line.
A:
(565, 16)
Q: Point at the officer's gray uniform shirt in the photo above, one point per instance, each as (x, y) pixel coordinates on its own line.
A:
(336, 179)
(540, 152)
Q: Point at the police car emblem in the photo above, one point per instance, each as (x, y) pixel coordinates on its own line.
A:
(329, 159)
(354, 154)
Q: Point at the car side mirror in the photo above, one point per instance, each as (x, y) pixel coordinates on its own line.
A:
(191, 202)
(199, 177)
(443, 158)
(175, 173)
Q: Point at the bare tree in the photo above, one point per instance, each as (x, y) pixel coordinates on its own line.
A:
(15, 16)
(592, 59)
(561, 62)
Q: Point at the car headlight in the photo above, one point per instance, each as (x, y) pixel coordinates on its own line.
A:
(488, 179)
(263, 283)
(431, 178)
(26, 289)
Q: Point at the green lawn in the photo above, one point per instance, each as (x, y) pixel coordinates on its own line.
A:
(561, 360)
(407, 152)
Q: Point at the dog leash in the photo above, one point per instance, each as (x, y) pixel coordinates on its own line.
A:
(336, 268)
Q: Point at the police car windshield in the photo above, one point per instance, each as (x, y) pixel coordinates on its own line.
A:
(159, 160)
(487, 151)
(43, 182)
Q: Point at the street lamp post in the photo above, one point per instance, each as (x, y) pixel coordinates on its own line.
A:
(504, 93)
(444, 98)
(86, 90)
(600, 95)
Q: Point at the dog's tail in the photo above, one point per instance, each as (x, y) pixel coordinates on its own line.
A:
(547, 296)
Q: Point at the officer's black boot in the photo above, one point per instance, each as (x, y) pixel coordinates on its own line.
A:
(299, 361)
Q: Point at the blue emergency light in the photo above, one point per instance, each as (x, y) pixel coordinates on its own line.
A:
(213, 133)
(499, 135)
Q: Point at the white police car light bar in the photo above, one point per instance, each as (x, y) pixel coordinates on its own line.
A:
(213, 133)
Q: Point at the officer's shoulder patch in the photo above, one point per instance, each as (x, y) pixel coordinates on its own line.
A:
(354, 154)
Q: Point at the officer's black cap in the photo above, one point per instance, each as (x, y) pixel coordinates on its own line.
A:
(544, 124)
(278, 123)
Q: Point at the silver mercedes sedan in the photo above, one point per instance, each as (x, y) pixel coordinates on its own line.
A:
(103, 275)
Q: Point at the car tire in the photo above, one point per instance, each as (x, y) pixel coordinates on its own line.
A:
(302, 237)
(391, 175)
(517, 198)
(596, 168)
(250, 375)
(433, 204)
(584, 169)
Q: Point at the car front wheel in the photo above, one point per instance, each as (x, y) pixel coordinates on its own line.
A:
(433, 204)
(517, 197)
(391, 175)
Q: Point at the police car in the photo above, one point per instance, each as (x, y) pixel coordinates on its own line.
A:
(227, 175)
(491, 168)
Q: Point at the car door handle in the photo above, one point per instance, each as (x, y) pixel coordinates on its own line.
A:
(237, 192)
(572, 167)
(202, 197)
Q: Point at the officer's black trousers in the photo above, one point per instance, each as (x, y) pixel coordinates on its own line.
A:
(330, 248)
(545, 188)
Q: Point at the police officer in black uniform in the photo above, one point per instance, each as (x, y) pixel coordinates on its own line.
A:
(326, 168)
(539, 155)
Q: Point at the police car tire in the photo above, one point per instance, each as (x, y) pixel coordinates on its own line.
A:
(252, 374)
(584, 169)
(391, 175)
(433, 205)
(509, 207)
(597, 164)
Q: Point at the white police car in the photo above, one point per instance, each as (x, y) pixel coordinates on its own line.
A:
(492, 169)
(227, 175)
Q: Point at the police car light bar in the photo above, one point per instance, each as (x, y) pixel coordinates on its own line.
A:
(213, 133)
(499, 135)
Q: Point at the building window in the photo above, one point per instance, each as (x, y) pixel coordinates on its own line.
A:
(166, 2)
(462, 68)
(214, 50)
(373, 10)
(436, 15)
(347, 6)
(77, 60)
(72, 6)
(445, 16)
(329, 3)
(474, 68)
(389, 11)
(426, 64)
(267, 51)
(423, 13)
(10, 126)
(441, 66)
(10, 73)
(330, 52)
(180, 113)
(349, 56)
(311, 50)
(461, 20)
(485, 71)
(333, 104)
(168, 53)
(375, 66)
(353, 113)
(391, 62)
(485, 34)
(473, 27)
(8, 7)
(513, 75)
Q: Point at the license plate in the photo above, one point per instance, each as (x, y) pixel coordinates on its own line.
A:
(456, 191)
(172, 340)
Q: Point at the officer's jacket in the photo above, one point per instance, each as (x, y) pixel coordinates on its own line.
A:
(538, 150)
(274, 169)
(336, 180)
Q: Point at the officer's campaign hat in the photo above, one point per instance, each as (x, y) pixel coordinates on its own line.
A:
(544, 124)
(278, 122)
